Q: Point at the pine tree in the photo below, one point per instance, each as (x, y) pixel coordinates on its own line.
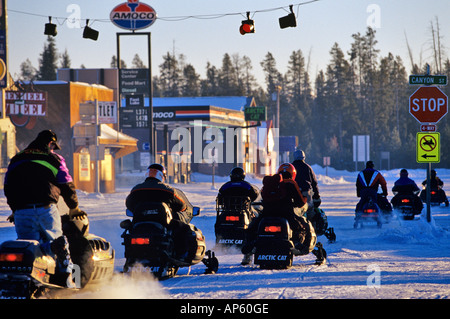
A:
(191, 82)
(65, 60)
(170, 76)
(210, 86)
(274, 79)
(48, 61)
(27, 71)
(137, 63)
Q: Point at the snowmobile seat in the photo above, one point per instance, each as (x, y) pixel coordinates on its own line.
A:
(153, 212)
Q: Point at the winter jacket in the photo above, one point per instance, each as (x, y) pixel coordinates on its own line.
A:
(405, 185)
(153, 190)
(306, 179)
(370, 179)
(38, 176)
(292, 198)
(435, 183)
(240, 188)
(288, 205)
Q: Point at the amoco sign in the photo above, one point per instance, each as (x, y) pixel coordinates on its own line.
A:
(133, 15)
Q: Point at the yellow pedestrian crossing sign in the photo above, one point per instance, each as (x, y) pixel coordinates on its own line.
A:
(428, 147)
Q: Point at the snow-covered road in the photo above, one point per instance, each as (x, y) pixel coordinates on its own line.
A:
(403, 259)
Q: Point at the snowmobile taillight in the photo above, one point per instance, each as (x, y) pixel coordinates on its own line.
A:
(232, 218)
(405, 200)
(433, 192)
(140, 241)
(369, 210)
(11, 257)
(272, 229)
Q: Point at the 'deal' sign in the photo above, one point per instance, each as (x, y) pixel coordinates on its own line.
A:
(133, 15)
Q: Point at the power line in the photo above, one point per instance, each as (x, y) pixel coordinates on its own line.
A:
(173, 18)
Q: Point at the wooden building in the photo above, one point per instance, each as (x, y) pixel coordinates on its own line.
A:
(61, 113)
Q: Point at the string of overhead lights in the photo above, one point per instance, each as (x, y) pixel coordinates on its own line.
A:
(247, 26)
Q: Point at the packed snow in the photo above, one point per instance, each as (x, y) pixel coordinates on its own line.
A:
(403, 259)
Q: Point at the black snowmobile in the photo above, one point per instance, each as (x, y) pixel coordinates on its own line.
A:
(26, 272)
(275, 248)
(407, 205)
(234, 214)
(157, 243)
(370, 212)
(437, 196)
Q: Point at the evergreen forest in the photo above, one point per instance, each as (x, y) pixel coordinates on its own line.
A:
(359, 93)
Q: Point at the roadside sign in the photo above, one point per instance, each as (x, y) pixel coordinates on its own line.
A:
(256, 113)
(428, 79)
(428, 147)
(133, 15)
(428, 104)
(428, 128)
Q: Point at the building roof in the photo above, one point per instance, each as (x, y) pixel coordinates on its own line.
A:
(236, 103)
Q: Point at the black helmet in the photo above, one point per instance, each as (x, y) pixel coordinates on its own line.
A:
(237, 174)
(156, 171)
(48, 136)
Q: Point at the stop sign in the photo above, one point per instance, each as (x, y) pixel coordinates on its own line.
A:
(428, 104)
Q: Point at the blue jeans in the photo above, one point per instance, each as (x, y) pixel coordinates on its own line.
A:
(42, 224)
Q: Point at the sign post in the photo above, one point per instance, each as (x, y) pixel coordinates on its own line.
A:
(428, 105)
(134, 15)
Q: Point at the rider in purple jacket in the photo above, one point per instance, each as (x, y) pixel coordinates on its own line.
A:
(35, 179)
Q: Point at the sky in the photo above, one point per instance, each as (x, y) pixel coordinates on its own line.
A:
(320, 24)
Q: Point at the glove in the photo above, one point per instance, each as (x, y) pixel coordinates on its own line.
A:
(77, 213)
(316, 201)
(10, 218)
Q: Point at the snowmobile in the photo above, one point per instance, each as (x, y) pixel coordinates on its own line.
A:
(405, 204)
(370, 212)
(26, 272)
(234, 214)
(275, 248)
(319, 220)
(437, 196)
(157, 243)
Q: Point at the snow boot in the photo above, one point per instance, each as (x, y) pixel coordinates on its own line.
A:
(247, 260)
(329, 233)
(211, 262)
(320, 253)
(60, 247)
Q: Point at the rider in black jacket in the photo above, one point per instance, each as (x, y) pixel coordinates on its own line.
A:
(153, 189)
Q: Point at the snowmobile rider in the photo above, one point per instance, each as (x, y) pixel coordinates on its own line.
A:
(367, 184)
(152, 190)
(289, 203)
(406, 186)
(237, 186)
(436, 184)
(307, 181)
(34, 180)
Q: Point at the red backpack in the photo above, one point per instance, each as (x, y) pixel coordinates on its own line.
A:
(273, 189)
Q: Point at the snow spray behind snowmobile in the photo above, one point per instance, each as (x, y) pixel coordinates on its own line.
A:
(275, 248)
(27, 272)
(156, 242)
(234, 214)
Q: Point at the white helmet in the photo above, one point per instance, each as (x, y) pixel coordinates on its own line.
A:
(156, 171)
